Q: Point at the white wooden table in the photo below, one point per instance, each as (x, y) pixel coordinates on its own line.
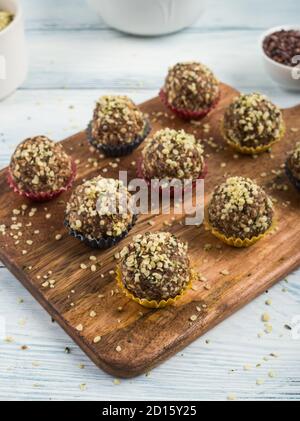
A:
(74, 59)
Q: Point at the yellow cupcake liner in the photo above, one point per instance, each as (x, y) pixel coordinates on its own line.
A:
(251, 150)
(147, 303)
(237, 242)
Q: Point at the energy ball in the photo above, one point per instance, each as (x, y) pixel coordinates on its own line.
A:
(191, 90)
(293, 167)
(118, 126)
(100, 212)
(252, 123)
(155, 267)
(40, 165)
(172, 154)
(240, 209)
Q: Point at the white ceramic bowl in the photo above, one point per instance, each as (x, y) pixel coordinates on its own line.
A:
(13, 53)
(285, 76)
(148, 17)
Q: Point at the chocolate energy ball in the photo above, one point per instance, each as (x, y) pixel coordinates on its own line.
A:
(252, 121)
(294, 162)
(240, 209)
(155, 266)
(192, 87)
(172, 154)
(100, 208)
(293, 166)
(117, 122)
(40, 165)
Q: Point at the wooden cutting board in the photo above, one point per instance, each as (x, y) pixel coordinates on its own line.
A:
(147, 337)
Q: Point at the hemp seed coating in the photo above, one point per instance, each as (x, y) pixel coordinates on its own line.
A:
(240, 208)
(294, 162)
(101, 207)
(117, 120)
(155, 266)
(5, 19)
(40, 165)
(191, 86)
(252, 120)
(172, 154)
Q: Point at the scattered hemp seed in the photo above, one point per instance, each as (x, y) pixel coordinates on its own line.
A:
(266, 317)
(117, 381)
(93, 313)
(93, 268)
(58, 237)
(93, 258)
(79, 328)
(269, 302)
(247, 367)
(225, 272)
(231, 397)
(83, 266)
(97, 339)
(260, 382)
(193, 318)
(118, 348)
(83, 386)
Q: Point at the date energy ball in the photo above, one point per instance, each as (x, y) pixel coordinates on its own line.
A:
(252, 123)
(118, 125)
(172, 154)
(192, 88)
(40, 165)
(293, 166)
(240, 209)
(100, 209)
(155, 266)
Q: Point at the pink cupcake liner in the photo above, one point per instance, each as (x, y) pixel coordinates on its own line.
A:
(184, 114)
(41, 196)
(140, 174)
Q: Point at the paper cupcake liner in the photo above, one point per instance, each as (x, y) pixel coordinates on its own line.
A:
(246, 150)
(292, 178)
(41, 196)
(140, 174)
(102, 243)
(185, 114)
(149, 303)
(121, 150)
(235, 241)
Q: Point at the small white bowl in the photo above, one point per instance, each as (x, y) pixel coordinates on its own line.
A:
(148, 17)
(286, 76)
(13, 52)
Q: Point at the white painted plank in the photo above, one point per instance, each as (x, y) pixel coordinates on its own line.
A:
(202, 371)
(110, 60)
(229, 14)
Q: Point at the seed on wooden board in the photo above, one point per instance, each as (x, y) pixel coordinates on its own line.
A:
(97, 339)
(79, 327)
(118, 348)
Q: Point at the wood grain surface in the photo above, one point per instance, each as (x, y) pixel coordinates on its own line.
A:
(147, 337)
